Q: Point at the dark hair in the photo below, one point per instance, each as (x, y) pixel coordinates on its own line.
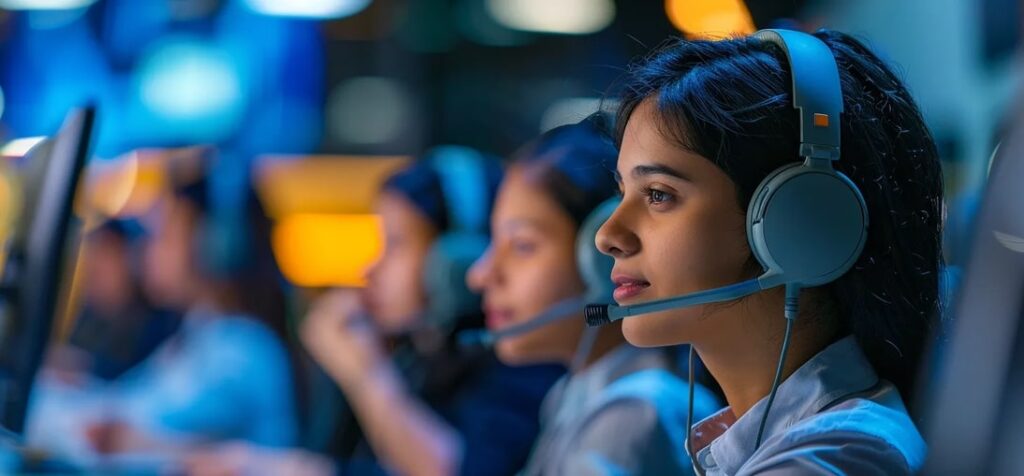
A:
(729, 101)
(420, 183)
(573, 163)
(256, 289)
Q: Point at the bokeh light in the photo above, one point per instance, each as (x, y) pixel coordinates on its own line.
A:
(308, 8)
(710, 19)
(368, 110)
(45, 4)
(574, 17)
(316, 250)
(194, 85)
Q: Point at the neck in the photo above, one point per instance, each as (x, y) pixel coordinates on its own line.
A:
(757, 326)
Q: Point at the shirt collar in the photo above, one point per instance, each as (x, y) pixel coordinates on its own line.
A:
(839, 370)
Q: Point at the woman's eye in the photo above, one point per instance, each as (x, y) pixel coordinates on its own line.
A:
(523, 247)
(655, 196)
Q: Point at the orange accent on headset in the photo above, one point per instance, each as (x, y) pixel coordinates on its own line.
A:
(820, 120)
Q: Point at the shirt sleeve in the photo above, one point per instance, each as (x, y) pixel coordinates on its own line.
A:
(233, 381)
(627, 436)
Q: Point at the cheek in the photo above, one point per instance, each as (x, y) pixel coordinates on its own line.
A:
(397, 291)
(687, 262)
(534, 287)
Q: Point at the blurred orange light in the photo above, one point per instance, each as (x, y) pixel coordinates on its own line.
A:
(322, 184)
(710, 19)
(319, 250)
(127, 186)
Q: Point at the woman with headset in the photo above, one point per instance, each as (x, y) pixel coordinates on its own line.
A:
(619, 411)
(425, 406)
(228, 371)
(702, 124)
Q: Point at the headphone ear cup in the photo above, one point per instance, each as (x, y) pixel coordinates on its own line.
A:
(444, 278)
(807, 224)
(595, 267)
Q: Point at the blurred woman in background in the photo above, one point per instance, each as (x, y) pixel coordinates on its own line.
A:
(622, 410)
(117, 327)
(227, 372)
(422, 405)
(426, 408)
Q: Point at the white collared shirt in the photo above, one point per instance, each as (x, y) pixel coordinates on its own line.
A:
(832, 416)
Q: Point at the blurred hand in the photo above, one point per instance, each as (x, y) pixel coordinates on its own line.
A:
(340, 336)
(112, 436)
(237, 459)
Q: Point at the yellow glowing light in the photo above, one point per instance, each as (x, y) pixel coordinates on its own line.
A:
(10, 201)
(113, 184)
(322, 184)
(127, 186)
(710, 19)
(319, 250)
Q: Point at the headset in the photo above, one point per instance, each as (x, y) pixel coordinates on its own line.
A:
(465, 185)
(595, 269)
(225, 248)
(807, 222)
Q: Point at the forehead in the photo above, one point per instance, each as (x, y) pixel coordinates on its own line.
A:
(645, 145)
(523, 203)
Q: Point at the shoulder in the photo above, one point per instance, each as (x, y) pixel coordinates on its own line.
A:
(643, 405)
(662, 391)
(628, 434)
(510, 382)
(241, 330)
(245, 342)
(858, 436)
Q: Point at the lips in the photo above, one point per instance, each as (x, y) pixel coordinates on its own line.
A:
(628, 287)
(495, 318)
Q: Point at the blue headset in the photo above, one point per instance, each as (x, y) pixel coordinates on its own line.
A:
(224, 245)
(595, 268)
(463, 175)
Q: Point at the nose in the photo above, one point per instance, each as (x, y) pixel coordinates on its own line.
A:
(480, 272)
(615, 238)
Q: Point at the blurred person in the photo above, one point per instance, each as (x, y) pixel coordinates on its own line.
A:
(702, 124)
(227, 372)
(424, 406)
(621, 410)
(117, 327)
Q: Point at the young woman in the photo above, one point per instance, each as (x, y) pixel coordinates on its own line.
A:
(226, 373)
(622, 410)
(701, 125)
(425, 406)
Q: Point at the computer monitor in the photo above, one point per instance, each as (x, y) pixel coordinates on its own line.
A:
(34, 278)
(975, 416)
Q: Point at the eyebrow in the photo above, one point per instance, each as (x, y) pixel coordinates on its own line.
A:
(655, 169)
(517, 224)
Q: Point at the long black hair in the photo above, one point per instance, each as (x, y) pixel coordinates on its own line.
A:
(729, 101)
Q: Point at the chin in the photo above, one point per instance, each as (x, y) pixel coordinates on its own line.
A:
(655, 330)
